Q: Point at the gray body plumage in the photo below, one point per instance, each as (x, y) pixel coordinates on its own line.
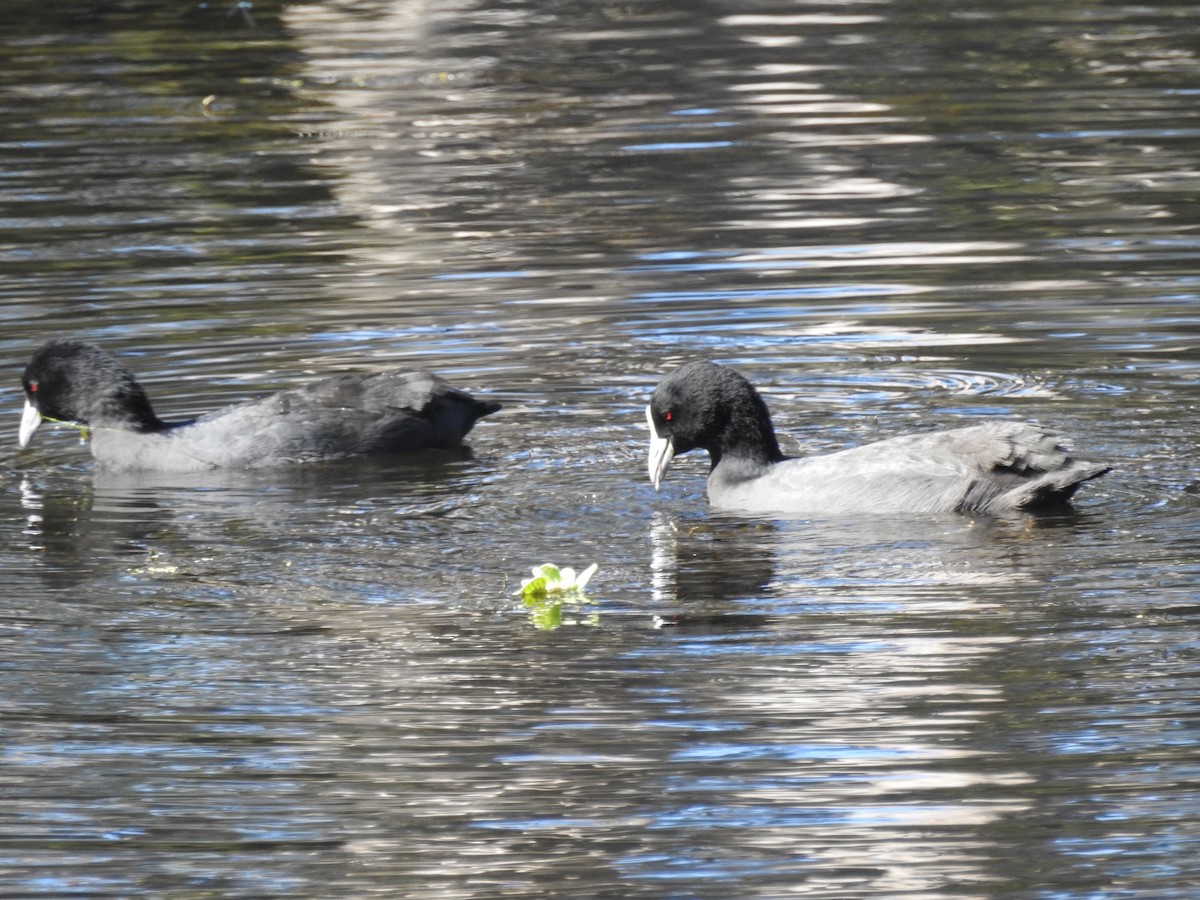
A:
(990, 468)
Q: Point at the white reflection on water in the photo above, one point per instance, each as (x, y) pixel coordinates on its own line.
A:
(827, 754)
(31, 500)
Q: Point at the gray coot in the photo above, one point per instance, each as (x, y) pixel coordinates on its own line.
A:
(343, 416)
(990, 468)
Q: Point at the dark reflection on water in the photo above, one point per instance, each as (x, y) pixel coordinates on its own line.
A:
(320, 682)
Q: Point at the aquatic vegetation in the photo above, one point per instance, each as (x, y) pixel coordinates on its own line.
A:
(551, 589)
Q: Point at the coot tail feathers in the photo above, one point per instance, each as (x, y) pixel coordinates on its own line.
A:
(1053, 488)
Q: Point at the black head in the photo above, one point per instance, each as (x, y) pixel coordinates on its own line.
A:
(77, 382)
(703, 405)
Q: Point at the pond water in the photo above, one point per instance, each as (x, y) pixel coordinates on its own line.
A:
(890, 216)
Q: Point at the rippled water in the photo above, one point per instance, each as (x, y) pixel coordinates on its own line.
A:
(890, 216)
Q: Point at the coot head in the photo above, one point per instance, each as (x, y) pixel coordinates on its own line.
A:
(710, 407)
(72, 381)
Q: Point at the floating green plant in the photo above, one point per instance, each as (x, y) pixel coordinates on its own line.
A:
(552, 588)
(550, 579)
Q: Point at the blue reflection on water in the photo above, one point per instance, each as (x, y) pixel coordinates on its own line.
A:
(680, 145)
(747, 750)
(791, 293)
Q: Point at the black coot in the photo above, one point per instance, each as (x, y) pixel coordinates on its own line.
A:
(989, 468)
(346, 415)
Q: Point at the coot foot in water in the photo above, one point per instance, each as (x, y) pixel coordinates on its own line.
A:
(343, 416)
(990, 468)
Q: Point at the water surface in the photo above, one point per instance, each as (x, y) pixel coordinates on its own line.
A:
(319, 683)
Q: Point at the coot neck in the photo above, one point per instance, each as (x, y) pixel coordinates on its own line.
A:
(131, 411)
(748, 435)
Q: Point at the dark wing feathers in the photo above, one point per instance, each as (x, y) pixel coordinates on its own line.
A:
(1029, 468)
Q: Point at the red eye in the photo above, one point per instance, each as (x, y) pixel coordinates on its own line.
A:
(33, 387)
(667, 416)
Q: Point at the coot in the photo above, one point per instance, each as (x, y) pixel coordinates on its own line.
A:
(990, 468)
(346, 415)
